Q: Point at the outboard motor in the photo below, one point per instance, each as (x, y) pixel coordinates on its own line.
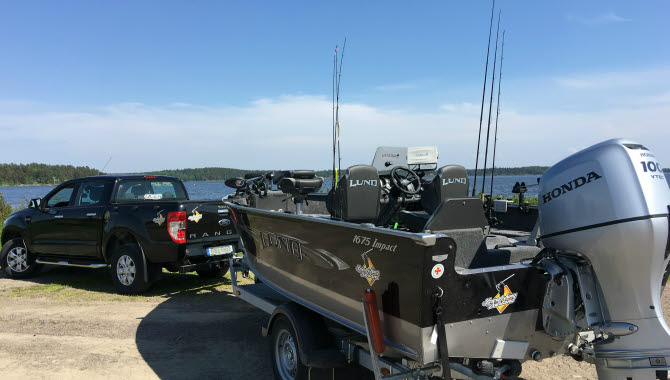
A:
(604, 213)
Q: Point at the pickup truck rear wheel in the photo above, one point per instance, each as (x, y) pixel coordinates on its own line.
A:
(17, 261)
(213, 273)
(127, 269)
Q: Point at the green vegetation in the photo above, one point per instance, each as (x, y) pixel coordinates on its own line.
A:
(523, 170)
(215, 174)
(5, 210)
(40, 174)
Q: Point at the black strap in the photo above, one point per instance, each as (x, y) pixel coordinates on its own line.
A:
(443, 349)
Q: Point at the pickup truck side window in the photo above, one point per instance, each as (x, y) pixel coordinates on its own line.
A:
(61, 198)
(150, 190)
(93, 193)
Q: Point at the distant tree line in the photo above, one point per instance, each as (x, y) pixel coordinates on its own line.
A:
(523, 170)
(28, 174)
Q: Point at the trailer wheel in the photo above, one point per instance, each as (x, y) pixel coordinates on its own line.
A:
(17, 261)
(127, 270)
(286, 364)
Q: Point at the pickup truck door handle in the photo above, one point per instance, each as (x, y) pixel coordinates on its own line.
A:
(58, 216)
(91, 214)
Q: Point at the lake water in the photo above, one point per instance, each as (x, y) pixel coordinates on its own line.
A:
(217, 189)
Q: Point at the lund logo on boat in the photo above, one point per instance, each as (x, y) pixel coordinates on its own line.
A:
(367, 270)
(283, 243)
(449, 181)
(501, 301)
(567, 187)
(362, 182)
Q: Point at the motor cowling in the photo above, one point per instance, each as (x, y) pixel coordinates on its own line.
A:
(609, 204)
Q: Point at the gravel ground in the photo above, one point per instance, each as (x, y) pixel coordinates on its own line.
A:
(195, 332)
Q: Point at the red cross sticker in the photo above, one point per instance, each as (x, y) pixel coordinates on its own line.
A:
(438, 271)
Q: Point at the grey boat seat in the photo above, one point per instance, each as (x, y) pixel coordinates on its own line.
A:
(297, 183)
(451, 181)
(357, 196)
(472, 251)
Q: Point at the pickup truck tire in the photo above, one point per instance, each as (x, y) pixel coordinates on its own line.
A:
(213, 273)
(286, 364)
(127, 270)
(17, 261)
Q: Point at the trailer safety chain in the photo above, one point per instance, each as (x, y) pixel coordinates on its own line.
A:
(441, 332)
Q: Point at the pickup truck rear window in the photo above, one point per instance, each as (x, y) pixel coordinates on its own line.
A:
(150, 190)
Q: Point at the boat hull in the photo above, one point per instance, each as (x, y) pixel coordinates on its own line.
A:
(326, 265)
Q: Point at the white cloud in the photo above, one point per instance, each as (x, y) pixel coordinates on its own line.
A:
(600, 19)
(612, 80)
(295, 131)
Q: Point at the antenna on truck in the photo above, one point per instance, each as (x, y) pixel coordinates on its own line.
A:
(481, 112)
(104, 167)
(495, 136)
(488, 129)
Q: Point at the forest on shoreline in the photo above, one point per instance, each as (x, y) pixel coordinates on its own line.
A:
(43, 174)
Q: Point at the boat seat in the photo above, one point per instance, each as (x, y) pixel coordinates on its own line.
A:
(357, 196)
(472, 251)
(297, 183)
(450, 181)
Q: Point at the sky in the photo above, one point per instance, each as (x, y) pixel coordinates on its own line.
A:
(166, 85)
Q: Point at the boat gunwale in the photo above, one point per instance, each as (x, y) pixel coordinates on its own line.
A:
(421, 238)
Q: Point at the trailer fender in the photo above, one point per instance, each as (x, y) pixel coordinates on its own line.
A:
(316, 347)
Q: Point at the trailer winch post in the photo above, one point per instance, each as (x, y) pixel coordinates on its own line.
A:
(373, 330)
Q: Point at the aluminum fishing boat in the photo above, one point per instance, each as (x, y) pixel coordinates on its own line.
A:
(585, 281)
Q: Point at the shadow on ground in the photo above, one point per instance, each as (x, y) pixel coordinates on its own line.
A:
(198, 330)
(204, 333)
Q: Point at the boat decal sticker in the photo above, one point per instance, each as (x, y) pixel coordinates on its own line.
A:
(159, 219)
(376, 244)
(437, 271)
(367, 270)
(153, 196)
(572, 185)
(195, 217)
(282, 242)
(504, 298)
(440, 258)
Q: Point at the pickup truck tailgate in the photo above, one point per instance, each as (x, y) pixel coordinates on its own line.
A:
(207, 221)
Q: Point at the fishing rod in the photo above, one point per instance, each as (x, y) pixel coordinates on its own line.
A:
(495, 136)
(481, 112)
(333, 126)
(488, 129)
(337, 113)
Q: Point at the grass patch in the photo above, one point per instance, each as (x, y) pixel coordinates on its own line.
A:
(79, 284)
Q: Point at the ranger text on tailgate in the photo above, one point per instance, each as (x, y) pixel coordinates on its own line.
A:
(135, 224)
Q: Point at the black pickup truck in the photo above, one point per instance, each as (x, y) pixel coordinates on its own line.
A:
(136, 224)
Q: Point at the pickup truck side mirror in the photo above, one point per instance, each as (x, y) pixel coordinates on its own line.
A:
(35, 203)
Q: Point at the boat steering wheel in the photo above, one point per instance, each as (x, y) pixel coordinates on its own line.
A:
(402, 181)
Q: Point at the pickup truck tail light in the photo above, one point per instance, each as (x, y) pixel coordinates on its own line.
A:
(176, 225)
